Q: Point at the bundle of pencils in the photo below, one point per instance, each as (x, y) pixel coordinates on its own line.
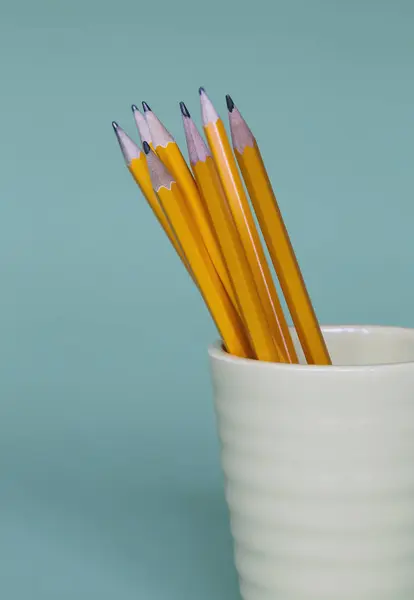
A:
(207, 216)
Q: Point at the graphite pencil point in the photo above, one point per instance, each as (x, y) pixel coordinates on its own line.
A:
(230, 103)
(184, 110)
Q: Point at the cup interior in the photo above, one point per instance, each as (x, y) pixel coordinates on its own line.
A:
(353, 346)
(366, 345)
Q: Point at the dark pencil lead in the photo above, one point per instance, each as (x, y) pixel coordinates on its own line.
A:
(134, 108)
(146, 107)
(201, 90)
(146, 147)
(184, 110)
(230, 103)
(115, 125)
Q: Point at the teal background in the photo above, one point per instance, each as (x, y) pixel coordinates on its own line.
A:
(110, 484)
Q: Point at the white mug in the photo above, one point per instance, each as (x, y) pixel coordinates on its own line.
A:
(319, 468)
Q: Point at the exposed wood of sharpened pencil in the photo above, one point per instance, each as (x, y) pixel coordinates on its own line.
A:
(243, 217)
(137, 165)
(216, 298)
(277, 239)
(247, 295)
(167, 149)
(142, 126)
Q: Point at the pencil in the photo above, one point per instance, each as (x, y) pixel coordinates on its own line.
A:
(167, 149)
(277, 238)
(142, 126)
(248, 298)
(137, 165)
(211, 288)
(243, 217)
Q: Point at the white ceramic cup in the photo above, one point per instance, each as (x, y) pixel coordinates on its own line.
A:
(319, 468)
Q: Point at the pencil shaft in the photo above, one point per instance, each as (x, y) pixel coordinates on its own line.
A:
(139, 170)
(217, 300)
(248, 298)
(243, 217)
(138, 167)
(173, 159)
(282, 255)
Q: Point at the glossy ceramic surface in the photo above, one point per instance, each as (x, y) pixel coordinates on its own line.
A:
(319, 469)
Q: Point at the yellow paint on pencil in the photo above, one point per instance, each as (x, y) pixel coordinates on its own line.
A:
(221, 307)
(236, 197)
(282, 255)
(139, 170)
(248, 298)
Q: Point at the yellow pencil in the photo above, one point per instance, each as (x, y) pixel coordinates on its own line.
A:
(216, 298)
(137, 165)
(248, 298)
(170, 154)
(277, 239)
(243, 217)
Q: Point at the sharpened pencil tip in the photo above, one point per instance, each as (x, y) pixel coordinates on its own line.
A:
(201, 90)
(230, 103)
(134, 108)
(146, 147)
(146, 107)
(184, 110)
(115, 125)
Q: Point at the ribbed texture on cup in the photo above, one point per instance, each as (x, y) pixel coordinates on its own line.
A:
(319, 472)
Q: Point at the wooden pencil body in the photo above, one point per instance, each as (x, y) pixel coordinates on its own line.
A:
(250, 306)
(243, 217)
(139, 170)
(282, 255)
(174, 161)
(209, 283)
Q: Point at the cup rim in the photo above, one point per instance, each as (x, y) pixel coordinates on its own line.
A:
(216, 352)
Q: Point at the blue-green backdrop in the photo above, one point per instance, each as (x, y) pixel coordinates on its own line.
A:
(110, 485)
